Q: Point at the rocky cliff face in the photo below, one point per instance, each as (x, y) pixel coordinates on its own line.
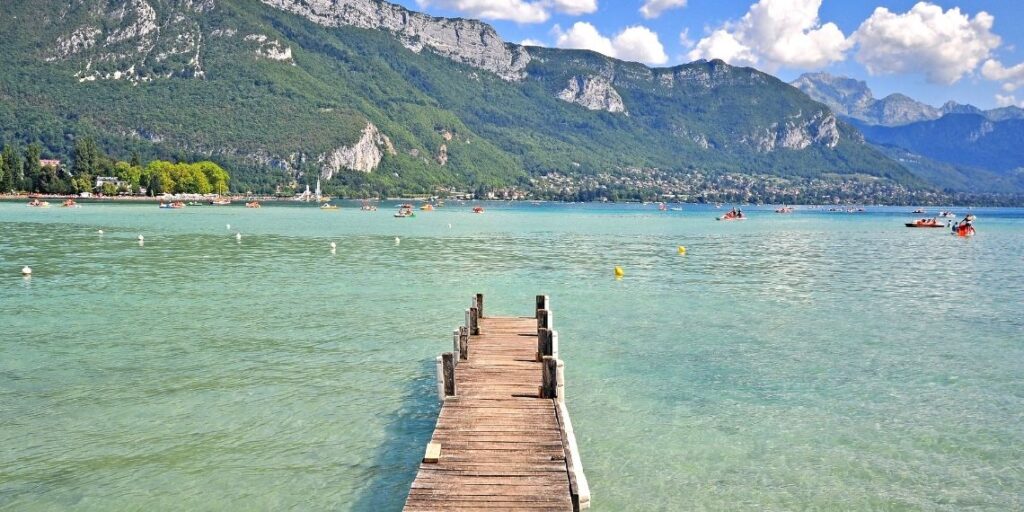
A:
(594, 93)
(465, 41)
(363, 156)
(821, 129)
(131, 40)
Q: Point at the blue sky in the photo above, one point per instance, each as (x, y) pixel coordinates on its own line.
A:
(970, 51)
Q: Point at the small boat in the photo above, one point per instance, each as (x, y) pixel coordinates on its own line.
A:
(252, 204)
(947, 214)
(35, 203)
(965, 230)
(733, 214)
(404, 211)
(328, 206)
(662, 207)
(427, 207)
(175, 205)
(784, 209)
(925, 223)
(919, 210)
(478, 209)
(367, 207)
(70, 203)
(220, 202)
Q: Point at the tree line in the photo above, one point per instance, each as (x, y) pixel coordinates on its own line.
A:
(23, 171)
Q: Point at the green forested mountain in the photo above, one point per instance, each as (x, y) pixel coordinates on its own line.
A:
(378, 99)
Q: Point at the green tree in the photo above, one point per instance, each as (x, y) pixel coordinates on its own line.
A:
(136, 160)
(87, 157)
(33, 170)
(12, 167)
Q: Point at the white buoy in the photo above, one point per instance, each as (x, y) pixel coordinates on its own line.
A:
(141, 238)
(26, 270)
(238, 236)
(398, 240)
(334, 245)
(99, 231)
(449, 226)
(229, 226)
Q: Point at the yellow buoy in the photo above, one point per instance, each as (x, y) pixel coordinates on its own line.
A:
(682, 250)
(619, 272)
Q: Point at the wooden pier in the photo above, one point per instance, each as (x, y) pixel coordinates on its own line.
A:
(503, 439)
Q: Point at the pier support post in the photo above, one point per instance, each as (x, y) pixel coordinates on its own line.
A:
(474, 321)
(543, 343)
(448, 368)
(542, 304)
(552, 385)
(457, 344)
(480, 304)
(464, 343)
(545, 320)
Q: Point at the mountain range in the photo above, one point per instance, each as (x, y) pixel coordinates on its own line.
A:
(957, 147)
(378, 99)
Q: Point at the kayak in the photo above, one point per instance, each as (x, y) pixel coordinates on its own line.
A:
(730, 218)
(924, 225)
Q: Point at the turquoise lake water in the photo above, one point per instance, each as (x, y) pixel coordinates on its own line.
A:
(813, 361)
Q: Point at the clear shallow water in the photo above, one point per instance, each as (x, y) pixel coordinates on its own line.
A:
(813, 361)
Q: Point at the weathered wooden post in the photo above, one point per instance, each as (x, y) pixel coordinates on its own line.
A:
(474, 321)
(464, 343)
(440, 378)
(448, 366)
(549, 378)
(457, 344)
(542, 304)
(553, 344)
(543, 343)
(480, 304)
(545, 320)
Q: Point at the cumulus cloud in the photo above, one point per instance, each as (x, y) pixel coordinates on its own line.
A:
(1012, 76)
(521, 11)
(1008, 101)
(532, 42)
(776, 34)
(654, 8)
(944, 45)
(636, 43)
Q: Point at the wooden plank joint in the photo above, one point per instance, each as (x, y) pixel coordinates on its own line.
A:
(433, 454)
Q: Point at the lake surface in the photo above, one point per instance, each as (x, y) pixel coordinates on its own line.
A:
(813, 361)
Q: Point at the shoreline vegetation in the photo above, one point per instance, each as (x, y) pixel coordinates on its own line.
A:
(95, 175)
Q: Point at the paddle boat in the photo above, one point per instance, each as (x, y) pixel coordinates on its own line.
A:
(253, 204)
(404, 211)
(925, 223)
(733, 214)
(220, 202)
(947, 214)
(35, 203)
(367, 207)
(919, 210)
(174, 205)
(70, 203)
(478, 209)
(784, 209)
(328, 206)
(427, 207)
(965, 228)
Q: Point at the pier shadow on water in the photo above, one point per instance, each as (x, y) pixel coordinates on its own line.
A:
(408, 431)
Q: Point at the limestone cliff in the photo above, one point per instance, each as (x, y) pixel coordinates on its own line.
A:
(594, 93)
(465, 41)
(364, 156)
(820, 129)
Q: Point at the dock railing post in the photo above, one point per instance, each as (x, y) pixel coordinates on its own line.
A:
(448, 368)
(474, 321)
(464, 343)
(480, 305)
(440, 378)
(542, 304)
(549, 377)
(457, 344)
(545, 320)
(543, 343)
(553, 344)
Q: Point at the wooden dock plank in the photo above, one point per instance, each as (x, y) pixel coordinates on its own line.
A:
(502, 447)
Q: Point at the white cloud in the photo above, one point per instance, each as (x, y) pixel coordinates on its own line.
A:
(944, 46)
(1012, 76)
(636, 43)
(521, 11)
(532, 42)
(654, 8)
(639, 44)
(584, 36)
(776, 34)
(1008, 101)
(684, 39)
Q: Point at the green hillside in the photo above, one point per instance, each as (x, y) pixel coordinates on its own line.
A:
(201, 86)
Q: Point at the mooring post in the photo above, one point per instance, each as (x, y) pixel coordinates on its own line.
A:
(457, 344)
(545, 320)
(448, 364)
(480, 304)
(549, 377)
(464, 343)
(542, 304)
(543, 343)
(474, 321)
(440, 378)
